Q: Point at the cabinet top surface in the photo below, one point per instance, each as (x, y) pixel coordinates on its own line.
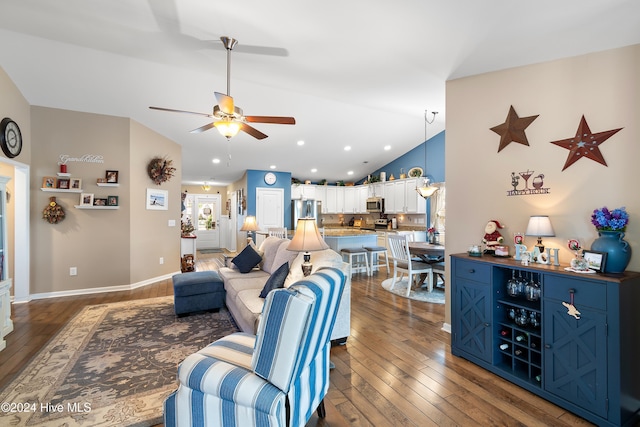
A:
(509, 262)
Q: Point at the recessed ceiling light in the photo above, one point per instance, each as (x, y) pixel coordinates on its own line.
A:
(216, 161)
(300, 142)
(387, 147)
(347, 148)
(314, 170)
(350, 173)
(272, 167)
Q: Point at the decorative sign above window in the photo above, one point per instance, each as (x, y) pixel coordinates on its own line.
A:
(537, 184)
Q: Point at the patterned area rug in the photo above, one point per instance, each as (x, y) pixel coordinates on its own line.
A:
(111, 365)
(418, 294)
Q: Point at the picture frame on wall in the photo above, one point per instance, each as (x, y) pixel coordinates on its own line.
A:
(112, 200)
(157, 199)
(595, 260)
(49, 182)
(99, 201)
(86, 199)
(75, 184)
(63, 183)
(112, 177)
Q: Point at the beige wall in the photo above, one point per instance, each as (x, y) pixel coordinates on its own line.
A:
(604, 88)
(108, 247)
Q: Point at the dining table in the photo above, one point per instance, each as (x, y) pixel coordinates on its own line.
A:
(428, 252)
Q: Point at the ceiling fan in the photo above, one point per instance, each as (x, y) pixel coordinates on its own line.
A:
(229, 118)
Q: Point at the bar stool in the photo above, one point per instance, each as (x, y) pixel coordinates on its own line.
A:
(374, 253)
(357, 259)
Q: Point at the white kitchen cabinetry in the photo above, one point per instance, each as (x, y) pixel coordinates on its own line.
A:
(413, 202)
(303, 191)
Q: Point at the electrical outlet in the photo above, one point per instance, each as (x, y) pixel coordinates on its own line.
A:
(73, 271)
(161, 260)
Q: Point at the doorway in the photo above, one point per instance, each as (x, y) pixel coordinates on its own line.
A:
(204, 212)
(269, 208)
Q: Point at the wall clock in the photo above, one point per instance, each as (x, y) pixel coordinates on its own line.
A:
(10, 137)
(270, 178)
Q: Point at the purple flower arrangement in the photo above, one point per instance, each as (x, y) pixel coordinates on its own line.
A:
(606, 220)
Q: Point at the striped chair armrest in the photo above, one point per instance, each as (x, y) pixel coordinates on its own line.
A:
(236, 349)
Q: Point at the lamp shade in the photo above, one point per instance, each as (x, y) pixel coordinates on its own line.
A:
(540, 226)
(250, 224)
(307, 237)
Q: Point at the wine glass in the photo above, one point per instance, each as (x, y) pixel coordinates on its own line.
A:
(512, 285)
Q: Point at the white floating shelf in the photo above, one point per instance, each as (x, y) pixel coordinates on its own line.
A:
(64, 174)
(107, 184)
(62, 190)
(95, 207)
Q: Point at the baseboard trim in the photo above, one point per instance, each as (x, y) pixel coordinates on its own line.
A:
(446, 327)
(90, 291)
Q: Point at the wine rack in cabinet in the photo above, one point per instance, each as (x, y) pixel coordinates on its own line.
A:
(570, 338)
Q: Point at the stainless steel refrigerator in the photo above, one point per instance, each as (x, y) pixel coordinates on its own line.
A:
(304, 209)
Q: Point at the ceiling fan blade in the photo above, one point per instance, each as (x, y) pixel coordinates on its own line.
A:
(225, 102)
(271, 119)
(203, 128)
(252, 131)
(171, 110)
(250, 49)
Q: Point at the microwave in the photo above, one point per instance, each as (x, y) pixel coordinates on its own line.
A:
(375, 204)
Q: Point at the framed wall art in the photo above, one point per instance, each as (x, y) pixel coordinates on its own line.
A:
(49, 182)
(75, 184)
(99, 201)
(157, 199)
(112, 177)
(112, 201)
(63, 183)
(86, 199)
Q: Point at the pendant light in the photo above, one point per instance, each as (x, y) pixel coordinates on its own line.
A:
(427, 189)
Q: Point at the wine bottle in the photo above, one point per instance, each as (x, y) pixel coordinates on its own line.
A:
(518, 352)
(504, 332)
(521, 338)
(538, 378)
(503, 347)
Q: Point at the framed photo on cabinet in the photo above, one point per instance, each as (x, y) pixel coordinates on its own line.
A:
(595, 260)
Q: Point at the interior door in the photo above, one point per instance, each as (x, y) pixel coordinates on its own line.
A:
(270, 207)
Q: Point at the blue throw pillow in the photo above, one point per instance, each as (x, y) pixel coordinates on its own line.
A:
(247, 259)
(276, 280)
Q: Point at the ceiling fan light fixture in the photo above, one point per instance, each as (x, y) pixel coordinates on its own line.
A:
(228, 128)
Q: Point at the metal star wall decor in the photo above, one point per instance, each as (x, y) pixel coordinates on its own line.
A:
(512, 130)
(585, 144)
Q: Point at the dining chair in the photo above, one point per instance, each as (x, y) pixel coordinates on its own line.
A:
(403, 262)
(277, 232)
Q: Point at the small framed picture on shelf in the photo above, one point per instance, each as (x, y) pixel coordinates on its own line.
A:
(112, 177)
(86, 199)
(63, 183)
(75, 184)
(99, 201)
(112, 201)
(595, 260)
(49, 182)
(157, 199)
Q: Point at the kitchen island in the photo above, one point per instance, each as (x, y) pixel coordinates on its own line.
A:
(339, 238)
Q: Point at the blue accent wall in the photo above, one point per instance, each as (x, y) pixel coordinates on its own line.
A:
(255, 178)
(434, 166)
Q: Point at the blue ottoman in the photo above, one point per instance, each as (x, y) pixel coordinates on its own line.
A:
(197, 291)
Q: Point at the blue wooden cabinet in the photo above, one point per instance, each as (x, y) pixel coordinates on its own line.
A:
(515, 321)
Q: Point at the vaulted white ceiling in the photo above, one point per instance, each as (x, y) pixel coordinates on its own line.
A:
(357, 73)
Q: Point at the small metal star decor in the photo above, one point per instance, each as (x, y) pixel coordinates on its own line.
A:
(512, 130)
(585, 144)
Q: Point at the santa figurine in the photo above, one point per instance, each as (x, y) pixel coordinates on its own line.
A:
(492, 236)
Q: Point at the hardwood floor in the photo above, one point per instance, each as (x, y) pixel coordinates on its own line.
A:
(395, 369)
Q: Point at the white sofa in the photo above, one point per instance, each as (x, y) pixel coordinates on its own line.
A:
(243, 289)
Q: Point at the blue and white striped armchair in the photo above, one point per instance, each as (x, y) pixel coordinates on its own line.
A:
(275, 378)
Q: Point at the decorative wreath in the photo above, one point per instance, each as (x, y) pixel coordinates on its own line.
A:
(160, 170)
(53, 213)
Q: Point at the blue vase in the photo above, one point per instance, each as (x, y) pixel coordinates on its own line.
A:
(617, 249)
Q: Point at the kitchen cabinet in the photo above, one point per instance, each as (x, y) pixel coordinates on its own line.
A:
(401, 197)
(303, 191)
(585, 363)
(334, 200)
(376, 189)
